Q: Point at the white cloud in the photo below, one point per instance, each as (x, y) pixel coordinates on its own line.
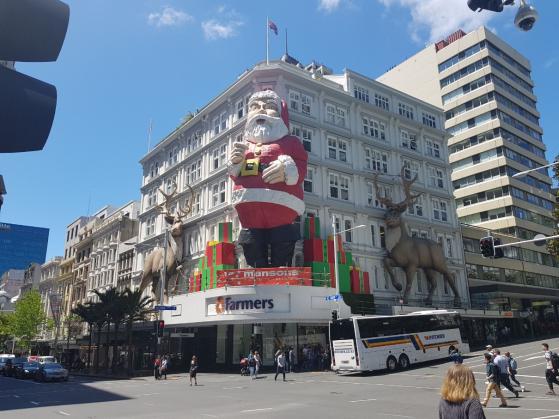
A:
(550, 63)
(224, 26)
(328, 5)
(169, 17)
(440, 18)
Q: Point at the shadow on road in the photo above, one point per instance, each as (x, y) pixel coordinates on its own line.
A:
(25, 394)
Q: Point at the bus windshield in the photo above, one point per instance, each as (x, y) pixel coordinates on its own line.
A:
(342, 329)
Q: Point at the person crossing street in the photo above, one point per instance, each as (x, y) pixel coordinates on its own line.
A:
(502, 364)
(280, 360)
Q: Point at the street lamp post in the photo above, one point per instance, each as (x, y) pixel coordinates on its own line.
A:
(519, 174)
(336, 256)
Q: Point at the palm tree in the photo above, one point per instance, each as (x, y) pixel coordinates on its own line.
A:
(87, 313)
(110, 301)
(136, 308)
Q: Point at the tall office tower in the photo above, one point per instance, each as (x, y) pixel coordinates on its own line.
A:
(486, 91)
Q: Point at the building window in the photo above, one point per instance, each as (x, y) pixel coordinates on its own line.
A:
(440, 212)
(339, 187)
(150, 228)
(152, 197)
(337, 149)
(408, 140)
(335, 115)
(432, 149)
(173, 156)
(411, 168)
(219, 157)
(429, 120)
(220, 123)
(195, 204)
(154, 170)
(218, 193)
(382, 234)
(374, 128)
(416, 207)
(348, 224)
(242, 107)
(382, 102)
(373, 236)
(376, 161)
(194, 172)
(304, 134)
(405, 110)
(308, 182)
(449, 252)
(361, 93)
(216, 125)
(436, 178)
(300, 102)
(372, 199)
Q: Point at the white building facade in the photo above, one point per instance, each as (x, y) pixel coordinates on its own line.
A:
(352, 127)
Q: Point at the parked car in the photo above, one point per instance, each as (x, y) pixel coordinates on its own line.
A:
(9, 368)
(46, 359)
(51, 372)
(3, 359)
(26, 369)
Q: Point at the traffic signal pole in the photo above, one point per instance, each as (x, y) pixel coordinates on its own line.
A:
(528, 241)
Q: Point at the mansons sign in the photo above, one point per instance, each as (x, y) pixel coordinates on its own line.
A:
(248, 304)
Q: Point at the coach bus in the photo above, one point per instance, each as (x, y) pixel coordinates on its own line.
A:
(368, 343)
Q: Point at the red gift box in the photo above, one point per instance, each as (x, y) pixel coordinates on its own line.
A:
(354, 276)
(313, 250)
(366, 285)
(225, 254)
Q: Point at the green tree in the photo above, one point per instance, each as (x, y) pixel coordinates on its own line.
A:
(89, 314)
(6, 330)
(136, 308)
(110, 300)
(553, 245)
(28, 318)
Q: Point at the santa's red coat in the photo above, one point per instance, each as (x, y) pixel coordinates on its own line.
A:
(263, 205)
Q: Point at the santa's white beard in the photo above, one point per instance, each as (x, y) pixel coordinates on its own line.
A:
(270, 130)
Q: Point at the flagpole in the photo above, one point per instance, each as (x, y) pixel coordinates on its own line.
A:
(267, 41)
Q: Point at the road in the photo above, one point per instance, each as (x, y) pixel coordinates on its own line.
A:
(406, 394)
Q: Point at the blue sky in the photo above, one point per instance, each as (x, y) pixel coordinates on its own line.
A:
(124, 62)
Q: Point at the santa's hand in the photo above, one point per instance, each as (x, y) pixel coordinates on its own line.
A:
(274, 173)
(238, 152)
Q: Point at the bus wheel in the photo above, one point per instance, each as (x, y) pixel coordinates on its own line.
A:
(391, 363)
(404, 362)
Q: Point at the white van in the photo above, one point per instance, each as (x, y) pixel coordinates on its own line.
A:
(46, 359)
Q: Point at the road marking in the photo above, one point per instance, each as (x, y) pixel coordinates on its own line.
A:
(149, 404)
(530, 366)
(396, 416)
(500, 409)
(364, 400)
(63, 413)
(233, 388)
(257, 410)
(546, 417)
(208, 415)
(35, 403)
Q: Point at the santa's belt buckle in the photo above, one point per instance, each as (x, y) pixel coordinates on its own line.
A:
(251, 167)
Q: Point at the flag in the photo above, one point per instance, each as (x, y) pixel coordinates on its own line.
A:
(272, 26)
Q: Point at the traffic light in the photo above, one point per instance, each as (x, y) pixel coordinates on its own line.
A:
(491, 5)
(334, 315)
(486, 246)
(160, 328)
(498, 252)
(30, 31)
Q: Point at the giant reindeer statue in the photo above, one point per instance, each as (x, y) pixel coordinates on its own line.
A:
(153, 264)
(411, 253)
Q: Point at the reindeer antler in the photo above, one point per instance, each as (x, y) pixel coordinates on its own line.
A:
(184, 213)
(164, 207)
(410, 198)
(387, 202)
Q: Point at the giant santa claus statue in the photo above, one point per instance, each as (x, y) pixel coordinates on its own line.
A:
(268, 169)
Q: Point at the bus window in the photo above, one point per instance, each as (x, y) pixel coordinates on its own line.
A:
(342, 329)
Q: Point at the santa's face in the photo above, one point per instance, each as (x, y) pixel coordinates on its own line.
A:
(264, 123)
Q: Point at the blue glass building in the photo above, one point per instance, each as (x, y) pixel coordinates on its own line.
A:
(20, 245)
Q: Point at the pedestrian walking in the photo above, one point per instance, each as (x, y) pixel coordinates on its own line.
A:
(288, 365)
(492, 382)
(163, 369)
(502, 363)
(258, 364)
(459, 397)
(455, 355)
(252, 364)
(156, 367)
(513, 367)
(193, 370)
(552, 363)
(280, 367)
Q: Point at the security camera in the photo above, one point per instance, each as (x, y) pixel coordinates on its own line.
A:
(526, 16)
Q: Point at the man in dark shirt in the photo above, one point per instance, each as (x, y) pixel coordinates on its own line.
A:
(492, 382)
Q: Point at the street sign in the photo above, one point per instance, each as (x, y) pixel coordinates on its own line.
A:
(334, 297)
(163, 308)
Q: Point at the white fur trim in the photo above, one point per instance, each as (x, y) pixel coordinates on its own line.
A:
(234, 168)
(270, 196)
(290, 168)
